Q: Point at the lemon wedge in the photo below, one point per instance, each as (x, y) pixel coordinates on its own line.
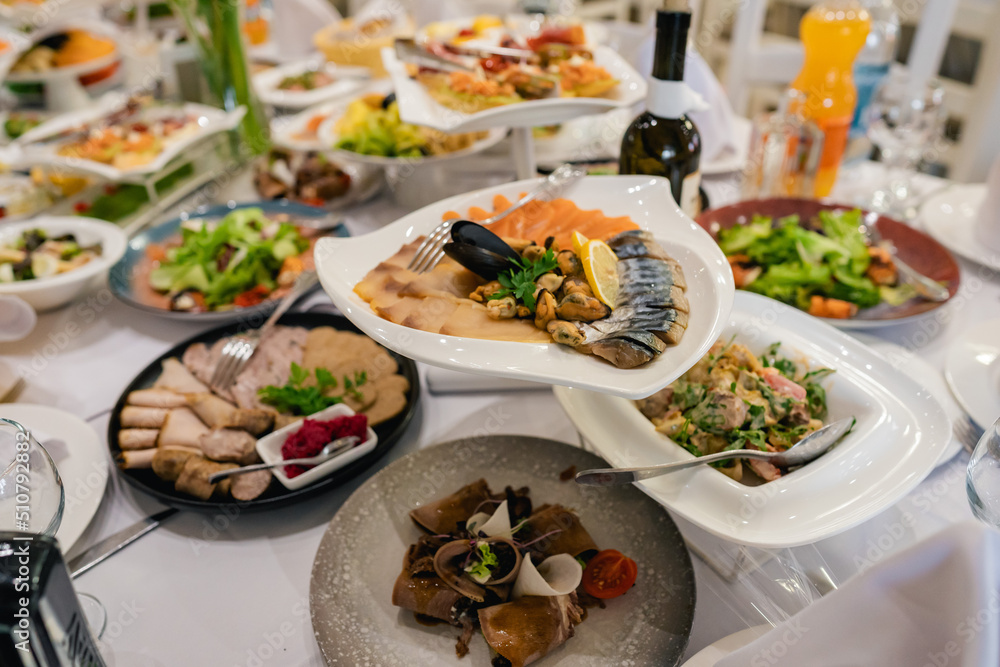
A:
(579, 240)
(600, 264)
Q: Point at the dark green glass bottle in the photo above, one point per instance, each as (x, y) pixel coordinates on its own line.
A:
(663, 141)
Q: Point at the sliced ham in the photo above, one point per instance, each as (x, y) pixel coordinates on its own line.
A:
(182, 428)
(155, 398)
(767, 471)
(136, 417)
(137, 438)
(782, 385)
(178, 378)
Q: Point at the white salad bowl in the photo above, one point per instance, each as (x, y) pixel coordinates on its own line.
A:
(343, 262)
(900, 434)
(59, 290)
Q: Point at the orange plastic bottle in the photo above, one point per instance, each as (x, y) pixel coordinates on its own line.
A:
(256, 25)
(832, 34)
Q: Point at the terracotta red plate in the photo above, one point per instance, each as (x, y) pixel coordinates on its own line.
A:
(914, 247)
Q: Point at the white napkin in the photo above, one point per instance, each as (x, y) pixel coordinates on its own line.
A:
(987, 225)
(936, 603)
(295, 21)
(716, 124)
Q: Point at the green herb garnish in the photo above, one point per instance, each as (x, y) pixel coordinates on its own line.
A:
(520, 282)
(483, 562)
(297, 399)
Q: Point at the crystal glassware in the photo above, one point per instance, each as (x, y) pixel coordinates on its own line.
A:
(905, 119)
(785, 150)
(31, 492)
(982, 482)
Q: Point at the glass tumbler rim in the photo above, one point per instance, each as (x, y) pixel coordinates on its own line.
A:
(56, 521)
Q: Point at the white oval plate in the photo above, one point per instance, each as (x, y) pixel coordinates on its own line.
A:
(950, 217)
(347, 80)
(328, 137)
(972, 368)
(211, 120)
(710, 655)
(901, 433)
(342, 263)
(418, 107)
(80, 457)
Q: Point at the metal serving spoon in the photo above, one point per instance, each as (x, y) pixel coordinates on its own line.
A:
(338, 446)
(805, 450)
(925, 287)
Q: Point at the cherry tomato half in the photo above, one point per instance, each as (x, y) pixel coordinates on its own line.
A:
(609, 574)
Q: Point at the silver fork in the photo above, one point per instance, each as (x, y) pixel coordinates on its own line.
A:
(927, 288)
(968, 432)
(240, 348)
(430, 251)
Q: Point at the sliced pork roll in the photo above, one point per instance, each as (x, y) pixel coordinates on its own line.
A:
(558, 531)
(529, 628)
(443, 515)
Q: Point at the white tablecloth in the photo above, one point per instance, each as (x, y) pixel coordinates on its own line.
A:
(233, 590)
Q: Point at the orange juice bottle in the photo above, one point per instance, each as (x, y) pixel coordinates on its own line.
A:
(256, 25)
(832, 34)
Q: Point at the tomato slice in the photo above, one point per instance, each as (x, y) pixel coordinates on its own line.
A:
(609, 574)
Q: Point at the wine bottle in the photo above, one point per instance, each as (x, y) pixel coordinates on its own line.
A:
(663, 141)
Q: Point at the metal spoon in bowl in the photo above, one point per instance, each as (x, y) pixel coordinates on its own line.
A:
(338, 446)
(805, 450)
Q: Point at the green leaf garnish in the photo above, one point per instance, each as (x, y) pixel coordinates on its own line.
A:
(520, 282)
(483, 562)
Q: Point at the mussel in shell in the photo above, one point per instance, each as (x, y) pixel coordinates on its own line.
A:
(479, 250)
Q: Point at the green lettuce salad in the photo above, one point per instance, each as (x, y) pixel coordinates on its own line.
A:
(792, 262)
(223, 260)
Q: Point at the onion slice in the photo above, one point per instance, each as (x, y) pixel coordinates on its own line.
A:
(497, 525)
(556, 575)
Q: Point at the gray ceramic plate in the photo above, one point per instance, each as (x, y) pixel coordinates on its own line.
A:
(362, 552)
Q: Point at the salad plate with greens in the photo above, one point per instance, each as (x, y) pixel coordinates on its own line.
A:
(220, 263)
(820, 258)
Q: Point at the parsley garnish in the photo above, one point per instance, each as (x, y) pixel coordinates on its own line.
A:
(520, 282)
(299, 400)
(481, 568)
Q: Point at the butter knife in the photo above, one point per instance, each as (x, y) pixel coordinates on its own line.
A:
(112, 544)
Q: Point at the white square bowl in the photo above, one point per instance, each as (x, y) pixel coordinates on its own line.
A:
(269, 449)
(900, 434)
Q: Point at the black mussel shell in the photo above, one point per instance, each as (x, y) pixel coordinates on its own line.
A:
(474, 234)
(388, 99)
(484, 263)
(480, 250)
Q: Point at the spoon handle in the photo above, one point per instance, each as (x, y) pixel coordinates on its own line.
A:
(619, 476)
(345, 444)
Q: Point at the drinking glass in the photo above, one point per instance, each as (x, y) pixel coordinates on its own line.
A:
(31, 492)
(905, 119)
(982, 482)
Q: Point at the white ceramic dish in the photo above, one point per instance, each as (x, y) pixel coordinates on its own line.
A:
(950, 217)
(269, 449)
(922, 373)
(899, 438)
(210, 121)
(347, 80)
(972, 369)
(518, 25)
(710, 655)
(328, 137)
(342, 263)
(418, 107)
(79, 455)
(58, 290)
(100, 28)
(27, 11)
(292, 131)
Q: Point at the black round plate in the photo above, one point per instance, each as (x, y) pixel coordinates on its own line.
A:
(277, 495)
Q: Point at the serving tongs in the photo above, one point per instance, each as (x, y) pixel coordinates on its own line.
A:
(408, 51)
